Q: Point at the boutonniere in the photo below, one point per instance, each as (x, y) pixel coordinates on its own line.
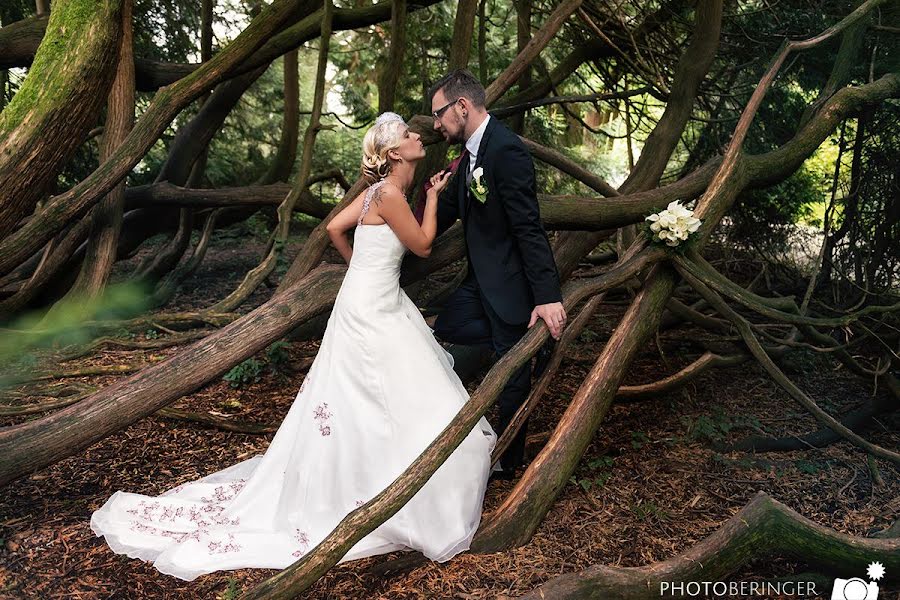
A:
(479, 190)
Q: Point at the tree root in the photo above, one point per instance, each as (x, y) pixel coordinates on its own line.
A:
(759, 353)
(709, 360)
(211, 420)
(66, 395)
(855, 419)
(90, 371)
(763, 528)
(164, 342)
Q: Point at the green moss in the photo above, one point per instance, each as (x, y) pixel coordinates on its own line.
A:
(67, 39)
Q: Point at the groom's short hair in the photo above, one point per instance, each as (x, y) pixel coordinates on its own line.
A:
(458, 84)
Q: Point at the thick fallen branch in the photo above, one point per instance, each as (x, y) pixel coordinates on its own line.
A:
(35, 444)
(570, 334)
(764, 528)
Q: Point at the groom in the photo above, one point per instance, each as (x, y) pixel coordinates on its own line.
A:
(512, 279)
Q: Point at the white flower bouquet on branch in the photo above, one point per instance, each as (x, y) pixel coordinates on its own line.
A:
(673, 225)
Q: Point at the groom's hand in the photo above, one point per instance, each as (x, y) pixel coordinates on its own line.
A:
(553, 314)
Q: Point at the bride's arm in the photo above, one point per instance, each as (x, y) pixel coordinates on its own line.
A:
(397, 214)
(338, 226)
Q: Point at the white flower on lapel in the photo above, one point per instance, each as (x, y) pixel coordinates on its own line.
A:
(479, 190)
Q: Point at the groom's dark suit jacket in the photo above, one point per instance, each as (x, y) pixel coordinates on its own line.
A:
(506, 243)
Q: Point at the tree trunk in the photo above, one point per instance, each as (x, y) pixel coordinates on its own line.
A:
(523, 36)
(168, 102)
(106, 222)
(279, 237)
(280, 169)
(58, 103)
(390, 74)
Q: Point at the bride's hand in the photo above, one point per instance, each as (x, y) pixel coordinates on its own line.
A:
(439, 181)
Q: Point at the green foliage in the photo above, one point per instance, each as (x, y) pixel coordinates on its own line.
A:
(69, 323)
(277, 355)
(232, 592)
(251, 370)
(648, 511)
(588, 336)
(718, 425)
(244, 373)
(638, 439)
(599, 472)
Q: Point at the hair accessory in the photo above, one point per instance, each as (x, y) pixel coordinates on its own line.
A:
(387, 117)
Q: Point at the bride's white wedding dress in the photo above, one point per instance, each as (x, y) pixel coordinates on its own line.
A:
(380, 390)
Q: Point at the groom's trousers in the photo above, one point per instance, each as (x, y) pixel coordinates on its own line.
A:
(469, 319)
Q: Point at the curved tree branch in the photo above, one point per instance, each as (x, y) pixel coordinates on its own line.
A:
(764, 528)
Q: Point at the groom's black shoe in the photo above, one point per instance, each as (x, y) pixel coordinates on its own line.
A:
(542, 358)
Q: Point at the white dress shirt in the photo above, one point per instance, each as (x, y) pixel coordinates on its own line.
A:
(474, 142)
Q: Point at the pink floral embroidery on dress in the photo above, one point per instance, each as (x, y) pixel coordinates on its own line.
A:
(222, 547)
(322, 415)
(221, 494)
(209, 514)
(174, 490)
(303, 541)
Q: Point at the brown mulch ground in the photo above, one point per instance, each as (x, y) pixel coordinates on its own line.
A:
(661, 487)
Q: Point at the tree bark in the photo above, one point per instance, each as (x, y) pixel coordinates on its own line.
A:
(106, 221)
(58, 103)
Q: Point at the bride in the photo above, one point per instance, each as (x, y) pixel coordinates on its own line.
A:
(380, 391)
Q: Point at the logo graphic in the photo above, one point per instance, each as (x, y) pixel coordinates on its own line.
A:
(856, 588)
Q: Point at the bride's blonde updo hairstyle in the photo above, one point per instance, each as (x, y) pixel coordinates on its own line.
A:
(385, 135)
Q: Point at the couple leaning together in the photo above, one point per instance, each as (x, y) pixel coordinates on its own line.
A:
(381, 388)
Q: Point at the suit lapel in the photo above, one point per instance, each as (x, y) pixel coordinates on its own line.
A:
(463, 189)
(482, 151)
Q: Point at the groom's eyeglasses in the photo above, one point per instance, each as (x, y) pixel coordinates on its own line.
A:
(440, 112)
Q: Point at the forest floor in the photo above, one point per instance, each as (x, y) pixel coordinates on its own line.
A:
(652, 483)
